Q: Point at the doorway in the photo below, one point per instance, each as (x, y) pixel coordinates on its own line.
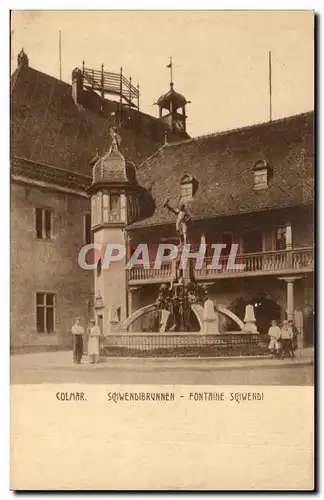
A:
(226, 239)
(252, 241)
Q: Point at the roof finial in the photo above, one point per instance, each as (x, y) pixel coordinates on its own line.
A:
(171, 77)
(116, 139)
(22, 59)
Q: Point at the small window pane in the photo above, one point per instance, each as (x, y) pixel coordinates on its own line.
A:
(99, 267)
(50, 320)
(114, 203)
(48, 223)
(93, 211)
(50, 299)
(87, 229)
(39, 223)
(40, 319)
(40, 298)
(260, 179)
(186, 190)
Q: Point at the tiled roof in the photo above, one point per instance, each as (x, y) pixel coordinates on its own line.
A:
(56, 176)
(173, 96)
(48, 127)
(222, 166)
(113, 168)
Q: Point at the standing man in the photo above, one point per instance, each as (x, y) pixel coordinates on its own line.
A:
(287, 335)
(295, 335)
(77, 338)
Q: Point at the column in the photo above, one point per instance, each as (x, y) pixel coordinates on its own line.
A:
(203, 242)
(133, 299)
(290, 295)
(289, 261)
(288, 236)
(290, 300)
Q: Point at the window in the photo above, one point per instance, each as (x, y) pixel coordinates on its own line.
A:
(105, 200)
(186, 191)
(187, 187)
(260, 179)
(45, 312)
(262, 174)
(87, 236)
(114, 207)
(114, 203)
(99, 267)
(281, 238)
(44, 223)
(96, 209)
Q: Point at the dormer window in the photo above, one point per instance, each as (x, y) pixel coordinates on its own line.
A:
(187, 187)
(262, 174)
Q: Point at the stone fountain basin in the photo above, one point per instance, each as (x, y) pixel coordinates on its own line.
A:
(185, 344)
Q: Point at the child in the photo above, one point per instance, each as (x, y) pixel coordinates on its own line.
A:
(287, 339)
(275, 335)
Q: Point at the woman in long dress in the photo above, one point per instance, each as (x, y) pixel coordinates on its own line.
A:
(93, 342)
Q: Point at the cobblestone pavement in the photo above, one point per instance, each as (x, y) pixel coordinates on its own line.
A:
(57, 367)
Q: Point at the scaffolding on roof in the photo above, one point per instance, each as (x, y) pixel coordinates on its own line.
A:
(108, 83)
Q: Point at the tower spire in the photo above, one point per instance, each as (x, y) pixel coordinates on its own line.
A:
(170, 66)
(270, 87)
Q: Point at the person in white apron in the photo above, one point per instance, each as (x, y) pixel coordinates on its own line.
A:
(275, 335)
(93, 342)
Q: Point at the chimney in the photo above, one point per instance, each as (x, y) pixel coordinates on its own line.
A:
(77, 85)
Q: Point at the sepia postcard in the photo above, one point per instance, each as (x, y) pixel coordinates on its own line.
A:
(162, 250)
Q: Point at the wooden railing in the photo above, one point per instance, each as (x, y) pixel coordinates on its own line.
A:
(301, 259)
(273, 262)
(138, 273)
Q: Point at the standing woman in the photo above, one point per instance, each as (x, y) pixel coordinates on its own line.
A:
(93, 342)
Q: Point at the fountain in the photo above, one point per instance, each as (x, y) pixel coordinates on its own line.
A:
(183, 320)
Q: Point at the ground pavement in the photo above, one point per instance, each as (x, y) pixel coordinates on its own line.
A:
(58, 368)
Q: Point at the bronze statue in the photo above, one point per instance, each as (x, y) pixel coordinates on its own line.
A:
(116, 139)
(182, 220)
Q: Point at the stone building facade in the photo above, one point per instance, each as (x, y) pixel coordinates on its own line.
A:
(78, 176)
(56, 131)
(253, 187)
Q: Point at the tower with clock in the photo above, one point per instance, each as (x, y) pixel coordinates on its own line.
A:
(172, 109)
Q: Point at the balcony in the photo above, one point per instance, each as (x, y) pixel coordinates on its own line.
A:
(299, 260)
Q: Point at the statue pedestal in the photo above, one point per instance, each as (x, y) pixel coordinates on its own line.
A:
(249, 320)
(210, 318)
(113, 320)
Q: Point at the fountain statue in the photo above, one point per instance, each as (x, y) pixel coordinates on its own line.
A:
(183, 320)
(178, 299)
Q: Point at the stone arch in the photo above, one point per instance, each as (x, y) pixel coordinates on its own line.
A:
(199, 310)
(226, 312)
(196, 308)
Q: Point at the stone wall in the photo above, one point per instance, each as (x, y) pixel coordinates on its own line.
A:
(47, 265)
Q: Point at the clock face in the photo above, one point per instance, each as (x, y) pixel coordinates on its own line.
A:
(179, 125)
